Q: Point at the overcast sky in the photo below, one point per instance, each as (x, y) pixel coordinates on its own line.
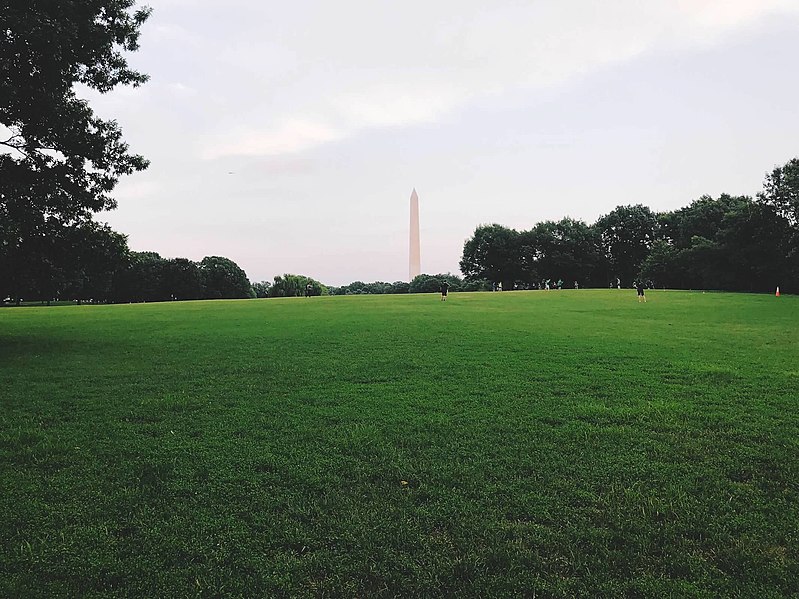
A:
(288, 136)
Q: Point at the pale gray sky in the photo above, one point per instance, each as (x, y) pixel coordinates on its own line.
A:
(328, 114)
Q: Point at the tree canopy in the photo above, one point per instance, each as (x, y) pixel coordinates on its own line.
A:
(781, 190)
(492, 253)
(729, 242)
(59, 161)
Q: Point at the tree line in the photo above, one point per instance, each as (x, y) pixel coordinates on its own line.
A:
(289, 285)
(423, 283)
(96, 265)
(732, 243)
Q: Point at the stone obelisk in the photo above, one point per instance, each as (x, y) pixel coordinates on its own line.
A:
(414, 255)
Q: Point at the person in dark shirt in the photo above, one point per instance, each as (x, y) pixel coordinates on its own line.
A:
(308, 290)
(639, 285)
(444, 289)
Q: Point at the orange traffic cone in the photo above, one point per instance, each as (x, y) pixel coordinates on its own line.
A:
(778, 292)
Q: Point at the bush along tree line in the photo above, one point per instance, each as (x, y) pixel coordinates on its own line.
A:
(106, 271)
(289, 285)
(732, 243)
(422, 283)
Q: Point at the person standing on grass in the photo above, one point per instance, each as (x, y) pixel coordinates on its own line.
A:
(639, 285)
(444, 289)
(308, 290)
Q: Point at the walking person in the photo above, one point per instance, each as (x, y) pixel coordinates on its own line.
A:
(444, 289)
(639, 285)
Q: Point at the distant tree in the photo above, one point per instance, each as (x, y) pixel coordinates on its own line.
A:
(289, 285)
(703, 263)
(729, 243)
(182, 279)
(454, 281)
(662, 265)
(781, 191)
(223, 279)
(702, 217)
(80, 261)
(400, 287)
(98, 258)
(492, 253)
(142, 280)
(317, 288)
(43, 272)
(424, 284)
(286, 286)
(356, 287)
(60, 161)
(755, 241)
(627, 234)
(568, 249)
(378, 287)
(476, 285)
(261, 289)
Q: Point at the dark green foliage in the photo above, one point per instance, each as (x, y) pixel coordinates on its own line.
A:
(572, 444)
(781, 190)
(150, 278)
(662, 266)
(399, 287)
(144, 279)
(626, 234)
(261, 289)
(95, 257)
(85, 260)
(755, 241)
(425, 284)
(62, 161)
(295, 286)
(432, 283)
(378, 287)
(729, 243)
(703, 218)
(223, 279)
(493, 253)
(182, 279)
(568, 249)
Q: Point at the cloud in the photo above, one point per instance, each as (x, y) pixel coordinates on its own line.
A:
(311, 77)
(136, 189)
(288, 137)
(720, 15)
(181, 90)
(391, 105)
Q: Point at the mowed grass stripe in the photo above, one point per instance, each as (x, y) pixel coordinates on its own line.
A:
(563, 443)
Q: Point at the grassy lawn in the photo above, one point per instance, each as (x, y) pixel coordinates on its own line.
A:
(569, 443)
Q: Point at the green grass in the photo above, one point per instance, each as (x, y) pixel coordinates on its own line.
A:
(568, 443)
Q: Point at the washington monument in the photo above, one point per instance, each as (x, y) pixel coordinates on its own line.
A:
(414, 259)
